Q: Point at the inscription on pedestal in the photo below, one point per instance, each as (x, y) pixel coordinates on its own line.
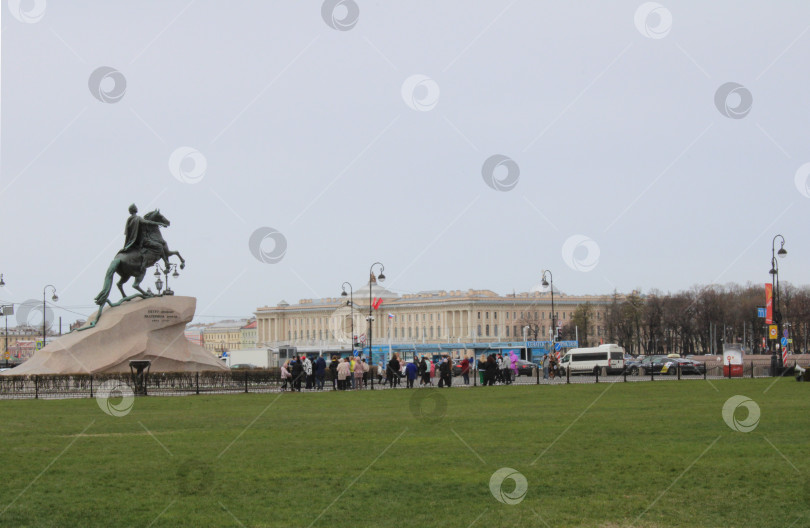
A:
(159, 316)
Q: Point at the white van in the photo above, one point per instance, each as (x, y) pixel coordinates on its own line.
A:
(592, 360)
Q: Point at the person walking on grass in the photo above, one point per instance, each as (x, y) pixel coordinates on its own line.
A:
(286, 376)
(343, 373)
(359, 370)
(297, 374)
(352, 362)
(432, 366)
(310, 378)
(380, 373)
(465, 370)
(410, 373)
(501, 378)
(333, 366)
(393, 371)
(424, 371)
(444, 367)
(320, 372)
(491, 370)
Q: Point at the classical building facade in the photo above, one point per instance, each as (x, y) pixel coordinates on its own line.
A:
(223, 336)
(426, 317)
(21, 338)
(249, 335)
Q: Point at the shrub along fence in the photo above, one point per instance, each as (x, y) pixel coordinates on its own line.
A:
(269, 380)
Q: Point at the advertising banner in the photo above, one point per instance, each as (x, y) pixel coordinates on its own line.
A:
(768, 304)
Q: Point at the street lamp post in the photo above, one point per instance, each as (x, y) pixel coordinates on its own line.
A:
(777, 314)
(166, 271)
(351, 305)
(372, 279)
(44, 318)
(553, 318)
(7, 310)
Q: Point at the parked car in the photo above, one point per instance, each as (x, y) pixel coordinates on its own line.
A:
(654, 363)
(690, 366)
(526, 368)
(632, 365)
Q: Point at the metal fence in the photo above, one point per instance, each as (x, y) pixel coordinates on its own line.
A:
(259, 381)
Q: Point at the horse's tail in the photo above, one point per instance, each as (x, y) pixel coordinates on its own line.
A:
(101, 298)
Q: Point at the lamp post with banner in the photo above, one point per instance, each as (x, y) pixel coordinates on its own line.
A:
(545, 283)
(777, 314)
(372, 280)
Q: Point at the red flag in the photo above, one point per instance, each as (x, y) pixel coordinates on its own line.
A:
(377, 302)
(768, 304)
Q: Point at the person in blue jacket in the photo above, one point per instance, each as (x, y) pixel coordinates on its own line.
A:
(410, 373)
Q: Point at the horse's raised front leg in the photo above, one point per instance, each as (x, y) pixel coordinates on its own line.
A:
(182, 260)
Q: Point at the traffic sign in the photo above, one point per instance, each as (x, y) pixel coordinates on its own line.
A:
(362, 338)
(784, 341)
(557, 346)
(773, 331)
(761, 312)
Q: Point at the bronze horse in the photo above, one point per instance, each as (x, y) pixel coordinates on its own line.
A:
(149, 248)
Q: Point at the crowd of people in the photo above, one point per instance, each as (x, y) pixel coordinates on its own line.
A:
(354, 372)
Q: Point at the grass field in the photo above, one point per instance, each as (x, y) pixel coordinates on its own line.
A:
(634, 454)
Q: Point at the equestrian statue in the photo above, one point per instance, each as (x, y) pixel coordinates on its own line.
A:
(143, 247)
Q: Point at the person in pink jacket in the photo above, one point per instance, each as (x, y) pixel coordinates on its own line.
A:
(513, 359)
(286, 376)
(343, 373)
(359, 369)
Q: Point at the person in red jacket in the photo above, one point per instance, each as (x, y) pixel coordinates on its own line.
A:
(465, 370)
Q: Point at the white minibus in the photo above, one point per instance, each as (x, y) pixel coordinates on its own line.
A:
(592, 360)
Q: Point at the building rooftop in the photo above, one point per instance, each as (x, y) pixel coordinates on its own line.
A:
(431, 296)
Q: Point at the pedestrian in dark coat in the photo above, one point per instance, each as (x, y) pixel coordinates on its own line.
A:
(491, 368)
(424, 371)
(445, 372)
(393, 371)
(320, 372)
(297, 374)
(333, 370)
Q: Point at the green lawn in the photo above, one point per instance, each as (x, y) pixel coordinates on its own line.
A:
(628, 454)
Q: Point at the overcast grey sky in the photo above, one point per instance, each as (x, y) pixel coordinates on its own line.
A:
(361, 133)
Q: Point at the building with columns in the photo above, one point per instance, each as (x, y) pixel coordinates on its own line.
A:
(425, 317)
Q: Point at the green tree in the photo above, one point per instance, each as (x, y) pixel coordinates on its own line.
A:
(582, 322)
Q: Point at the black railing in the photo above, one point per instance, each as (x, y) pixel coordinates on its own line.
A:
(269, 380)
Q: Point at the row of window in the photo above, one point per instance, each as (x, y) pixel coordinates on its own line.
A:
(428, 332)
(537, 315)
(486, 315)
